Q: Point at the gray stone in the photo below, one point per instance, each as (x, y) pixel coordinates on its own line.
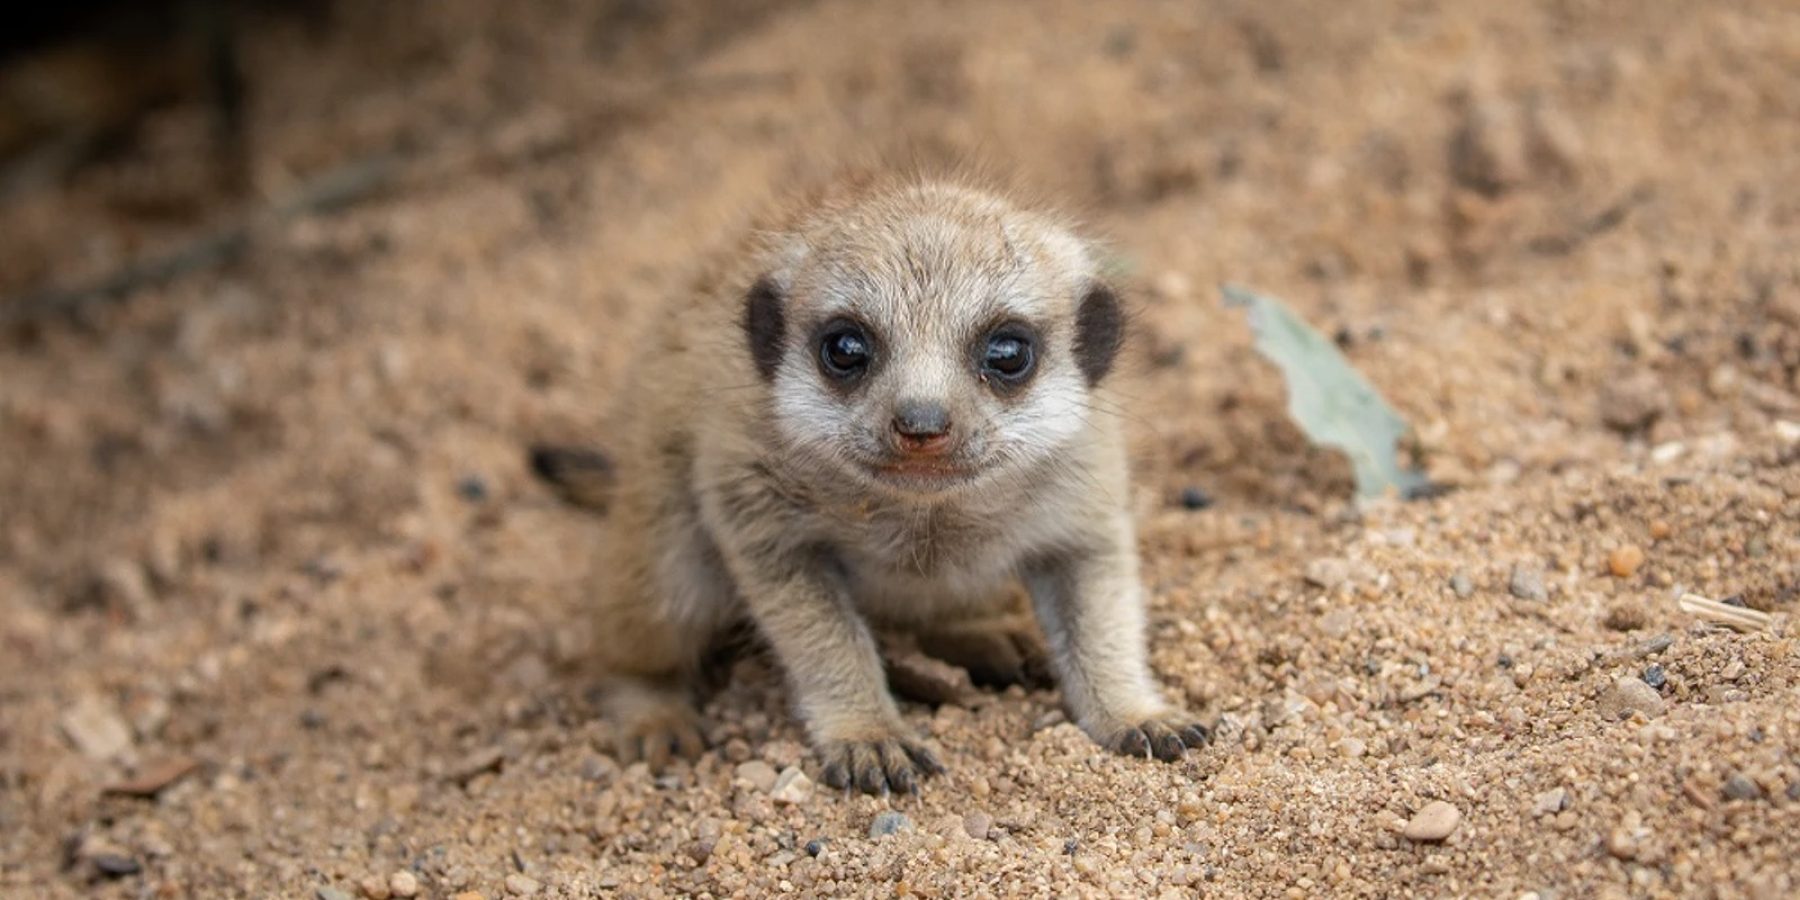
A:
(889, 822)
(1461, 584)
(1527, 583)
(977, 824)
(1433, 823)
(96, 728)
(759, 774)
(791, 786)
(1740, 787)
(1629, 695)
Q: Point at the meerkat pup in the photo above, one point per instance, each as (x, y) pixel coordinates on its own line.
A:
(890, 410)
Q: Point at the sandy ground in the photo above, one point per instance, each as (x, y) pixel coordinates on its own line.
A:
(282, 612)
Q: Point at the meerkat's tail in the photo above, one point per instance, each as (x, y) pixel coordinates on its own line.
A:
(582, 476)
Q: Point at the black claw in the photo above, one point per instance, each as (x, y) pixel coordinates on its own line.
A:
(871, 780)
(924, 759)
(902, 780)
(1196, 736)
(1169, 748)
(1134, 743)
(836, 775)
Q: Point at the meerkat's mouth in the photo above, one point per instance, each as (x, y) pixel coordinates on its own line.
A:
(923, 467)
(932, 473)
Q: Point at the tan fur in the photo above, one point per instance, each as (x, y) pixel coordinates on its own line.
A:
(738, 496)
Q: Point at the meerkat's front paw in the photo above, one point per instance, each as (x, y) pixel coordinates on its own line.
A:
(879, 765)
(1167, 737)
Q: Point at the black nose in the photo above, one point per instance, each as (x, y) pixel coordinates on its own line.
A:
(921, 419)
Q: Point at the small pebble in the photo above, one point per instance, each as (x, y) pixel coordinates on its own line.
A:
(117, 865)
(487, 759)
(472, 488)
(701, 850)
(121, 584)
(96, 728)
(1625, 561)
(815, 847)
(599, 768)
(1551, 802)
(1195, 498)
(1188, 807)
(375, 887)
(1462, 585)
(1656, 676)
(1629, 695)
(330, 893)
(889, 822)
(1660, 529)
(1330, 571)
(520, 886)
(1634, 403)
(1740, 787)
(759, 774)
(791, 786)
(1433, 823)
(468, 895)
(1621, 844)
(977, 825)
(1527, 583)
(152, 778)
(403, 884)
(1626, 615)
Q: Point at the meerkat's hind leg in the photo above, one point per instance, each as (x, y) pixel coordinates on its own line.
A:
(997, 652)
(653, 720)
(999, 648)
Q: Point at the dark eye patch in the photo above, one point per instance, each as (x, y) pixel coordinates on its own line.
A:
(765, 326)
(1099, 332)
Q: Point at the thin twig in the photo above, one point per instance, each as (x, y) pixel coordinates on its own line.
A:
(332, 190)
(1735, 617)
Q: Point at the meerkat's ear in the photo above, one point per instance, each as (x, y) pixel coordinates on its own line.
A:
(765, 326)
(1099, 331)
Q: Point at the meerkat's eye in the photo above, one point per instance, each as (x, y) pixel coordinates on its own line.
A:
(1008, 355)
(844, 351)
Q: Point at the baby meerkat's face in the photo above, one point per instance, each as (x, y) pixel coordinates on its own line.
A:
(931, 339)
